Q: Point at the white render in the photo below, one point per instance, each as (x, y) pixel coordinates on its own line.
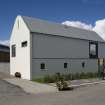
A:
(53, 50)
(21, 62)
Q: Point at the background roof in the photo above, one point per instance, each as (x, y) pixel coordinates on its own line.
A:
(4, 48)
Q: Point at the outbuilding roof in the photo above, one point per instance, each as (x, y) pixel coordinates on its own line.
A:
(4, 48)
(45, 27)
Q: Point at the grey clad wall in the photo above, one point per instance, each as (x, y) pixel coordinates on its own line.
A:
(101, 50)
(47, 46)
(54, 51)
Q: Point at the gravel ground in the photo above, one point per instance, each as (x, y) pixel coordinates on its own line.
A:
(7, 89)
(4, 75)
(90, 95)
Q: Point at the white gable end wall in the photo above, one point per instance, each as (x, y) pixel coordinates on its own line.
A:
(20, 63)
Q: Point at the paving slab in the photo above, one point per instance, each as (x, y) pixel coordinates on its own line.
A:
(82, 82)
(32, 87)
(7, 89)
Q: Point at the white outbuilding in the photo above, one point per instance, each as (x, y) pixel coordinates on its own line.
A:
(39, 48)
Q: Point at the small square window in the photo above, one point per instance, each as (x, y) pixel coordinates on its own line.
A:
(24, 44)
(83, 64)
(42, 66)
(65, 65)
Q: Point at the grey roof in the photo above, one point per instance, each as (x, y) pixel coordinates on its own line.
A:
(45, 27)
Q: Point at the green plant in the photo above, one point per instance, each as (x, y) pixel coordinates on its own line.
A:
(77, 76)
(57, 77)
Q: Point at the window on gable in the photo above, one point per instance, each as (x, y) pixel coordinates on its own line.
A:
(93, 50)
(24, 44)
(18, 24)
(13, 48)
(65, 65)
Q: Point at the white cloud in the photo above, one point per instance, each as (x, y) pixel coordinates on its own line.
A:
(98, 28)
(78, 24)
(5, 42)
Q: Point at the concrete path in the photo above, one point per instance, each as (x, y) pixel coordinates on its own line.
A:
(36, 88)
(7, 89)
(82, 82)
(32, 87)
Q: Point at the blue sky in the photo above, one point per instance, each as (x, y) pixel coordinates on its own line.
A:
(87, 11)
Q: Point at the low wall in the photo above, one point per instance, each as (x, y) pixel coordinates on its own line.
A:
(5, 67)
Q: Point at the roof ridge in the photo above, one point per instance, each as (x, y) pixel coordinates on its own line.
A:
(52, 22)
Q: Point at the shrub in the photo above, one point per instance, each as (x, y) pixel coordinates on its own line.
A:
(49, 79)
(77, 76)
(66, 77)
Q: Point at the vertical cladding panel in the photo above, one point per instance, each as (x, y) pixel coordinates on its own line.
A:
(101, 50)
(57, 65)
(91, 65)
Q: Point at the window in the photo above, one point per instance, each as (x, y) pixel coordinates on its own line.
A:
(24, 44)
(42, 66)
(65, 65)
(93, 50)
(18, 24)
(83, 64)
(13, 50)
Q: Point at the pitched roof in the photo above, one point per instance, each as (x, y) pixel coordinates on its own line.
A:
(45, 27)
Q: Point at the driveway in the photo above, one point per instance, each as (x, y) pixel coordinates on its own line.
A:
(90, 95)
(7, 89)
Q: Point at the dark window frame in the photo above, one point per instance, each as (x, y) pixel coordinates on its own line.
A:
(65, 65)
(83, 64)
(24, 44)
(42, 66)
(13, 50)
(96, 49)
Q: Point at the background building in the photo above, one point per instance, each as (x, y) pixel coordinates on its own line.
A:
(4, 59)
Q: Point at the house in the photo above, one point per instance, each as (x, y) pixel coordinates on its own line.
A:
(41, 48)
(4, 59)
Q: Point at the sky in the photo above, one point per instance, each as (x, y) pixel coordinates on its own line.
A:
(88, 14)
